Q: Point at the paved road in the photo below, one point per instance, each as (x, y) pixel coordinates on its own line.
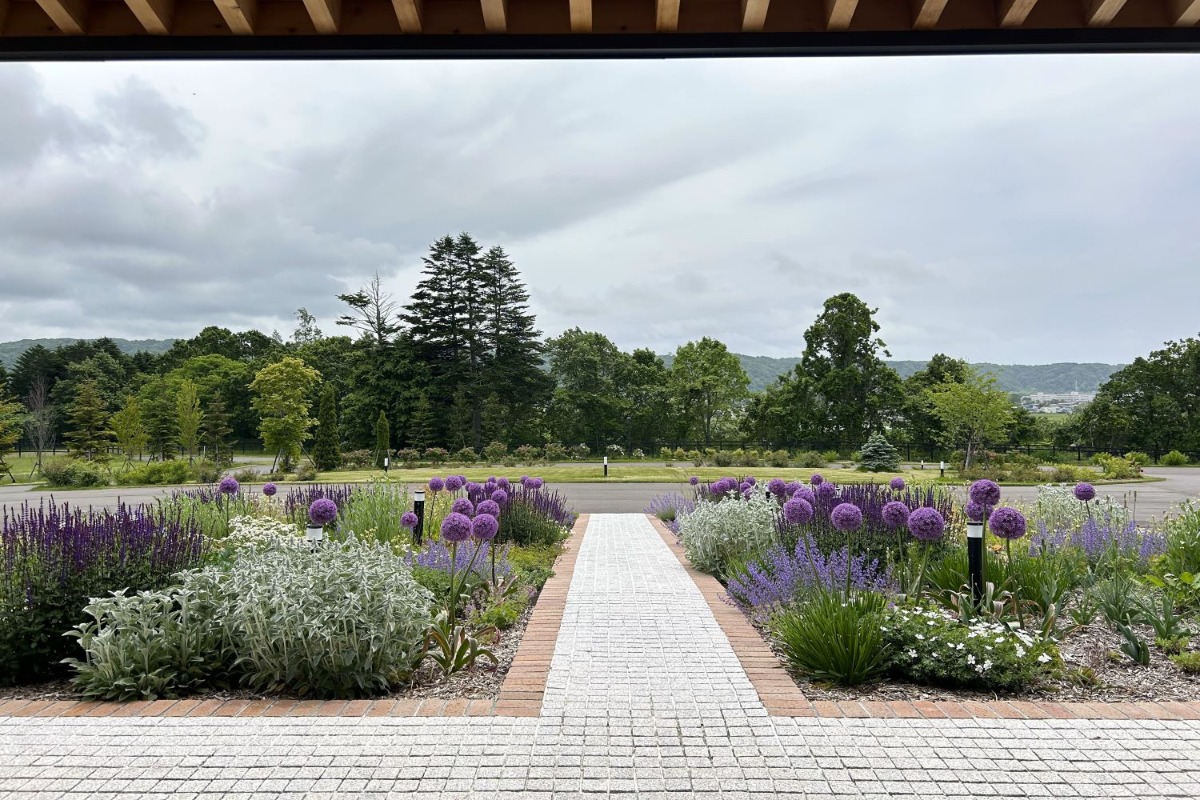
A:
(645, 699)
(1149, 499)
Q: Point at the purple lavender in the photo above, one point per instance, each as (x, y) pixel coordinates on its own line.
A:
(435, 555)
(322, 511)
(456, 527)
(895, 514)
(846, 517)
(926, 524)
(670, 507)
(269, 489)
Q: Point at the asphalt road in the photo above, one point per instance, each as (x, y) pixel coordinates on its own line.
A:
(1149, 499)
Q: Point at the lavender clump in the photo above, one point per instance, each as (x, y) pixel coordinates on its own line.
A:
(436, 556)
(670, 508)
(1100, 537)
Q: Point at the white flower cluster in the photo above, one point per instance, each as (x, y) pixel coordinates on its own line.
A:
(985, 640)
(260, 533)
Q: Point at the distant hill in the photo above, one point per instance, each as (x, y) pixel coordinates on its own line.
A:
(1016, 378)
(11, 351)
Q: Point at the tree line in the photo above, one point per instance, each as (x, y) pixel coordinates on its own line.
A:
(461, 364)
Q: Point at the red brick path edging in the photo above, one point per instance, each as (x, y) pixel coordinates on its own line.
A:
(783, 698)
(520, 694)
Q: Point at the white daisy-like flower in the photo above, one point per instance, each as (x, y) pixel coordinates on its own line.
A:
(912, 653)
(1043, 658)
(920, 637)
(970, 658)
(1020, 651)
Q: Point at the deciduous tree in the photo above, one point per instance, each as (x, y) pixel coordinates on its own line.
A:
(281, 397)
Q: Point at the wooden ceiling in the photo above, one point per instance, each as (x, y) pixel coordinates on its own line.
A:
(205, 28)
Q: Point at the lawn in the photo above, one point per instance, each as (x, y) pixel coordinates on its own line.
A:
(21, 467)
(627, 473)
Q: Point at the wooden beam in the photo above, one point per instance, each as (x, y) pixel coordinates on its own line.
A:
(1181, 12)
(581, 16)
(3, 13)
(666, 15)
(68, 15)
(926, 13)
(155, 15)
(1012, 13)
(1101, 12)
(325, 14)
(838, 14)
(239, 15)
(754, 14)
(409, 13)
(495, 15)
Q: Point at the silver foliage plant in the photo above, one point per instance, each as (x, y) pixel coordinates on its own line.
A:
(717, 534)
(344, 620)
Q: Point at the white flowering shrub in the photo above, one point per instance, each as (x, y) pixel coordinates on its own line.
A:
(932, 647)
(715, 535)
(1058, 509)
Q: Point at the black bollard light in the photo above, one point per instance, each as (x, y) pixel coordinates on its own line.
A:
(975, 559)
(385, 465)
(419, 510)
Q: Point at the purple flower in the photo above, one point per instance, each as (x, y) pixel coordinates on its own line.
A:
(269, 489)
(484, 527)
(408, 520)
(805, 493)
(984, 492)
(500, 497)
(503, 483)
(846, 517)
(525, 481)
(975, 511)
(790, 489)
(489, 507)
(462, 506)
(826, 491)
(745, 487)
(750, 479)
(456, 527)
(1085, 492)
(228, 485)
(926, 524)
(1007, 523)
(720, 487)
(536, 483)
(897, 483)
(473, 488)
(895, 514)
(816, 479)
(454, 483)
(322, 511)
(693, 480)
(436, 484)
(797, 511)
(777, 487)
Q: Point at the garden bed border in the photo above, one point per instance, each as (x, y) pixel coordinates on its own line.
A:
(520, 695)
(782, 697)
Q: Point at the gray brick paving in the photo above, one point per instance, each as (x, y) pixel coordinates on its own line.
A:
(645, 699)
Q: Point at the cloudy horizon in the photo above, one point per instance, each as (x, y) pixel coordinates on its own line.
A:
(1007, 209)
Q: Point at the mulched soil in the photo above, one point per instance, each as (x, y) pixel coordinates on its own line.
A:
(477, 683)
(1116, 677)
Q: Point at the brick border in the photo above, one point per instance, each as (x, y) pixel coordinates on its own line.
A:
(520, 694)
(782, 697)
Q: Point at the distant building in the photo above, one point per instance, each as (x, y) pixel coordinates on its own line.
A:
(1056, 403)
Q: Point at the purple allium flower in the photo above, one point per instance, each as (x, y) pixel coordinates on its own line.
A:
(776, 486)
(897, 483)
(500, 497)
(805, 493)
(503, 483)
(228, 485)
(454, 483)
(975, 511)
(791, 488)
(797, 511)
(694, 481)
(1085, 492)
(322, 511)
(816, 479)
(748, 492)
(926, 524)
(408, 520)
(436, 484)
(456, 527)
(525, 480)
(1007, 523)
(895, 514)
(744, 487)
(826, 491)
(269, 489)
(536, 483)
(985, 492)
(750, 479)
(462, 506)
(846, 517)
(484, 527)
(489, 507)
(473, 487)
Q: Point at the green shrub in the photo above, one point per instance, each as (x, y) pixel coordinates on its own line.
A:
(723, 458)
(408, 457)
(830, 456)
(206, 472)
(306, 473)
(525, 524)
(1117, 468)
(466, 456)
(503, 614)
(357, 459)
(495, 452)
(1142, 459)
(528, 454)
(580, 451)
(149, 645)
(156, 473)
(554, 452)
(694, 457)
(1188, 662)
(436, 455)
(1174, 459)
(534, 564)
(811, 459)
(878, 455)
(834, 641)
(930, 647)
(679, 454)
(778, 459)
(69, 472)
(373, 512)
(715, 535)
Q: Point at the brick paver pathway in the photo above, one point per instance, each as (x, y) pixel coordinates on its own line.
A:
(645, 696)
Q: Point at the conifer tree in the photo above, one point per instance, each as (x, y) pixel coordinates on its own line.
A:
(421, 432)
(326, 452)
(89, 436)
(217, 430)
(129, 428)
(878, 455)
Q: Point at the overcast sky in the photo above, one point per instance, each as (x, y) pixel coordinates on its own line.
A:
(1005, 209)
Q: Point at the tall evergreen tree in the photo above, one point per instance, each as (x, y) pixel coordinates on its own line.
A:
(88, 415)
(326, 453)
(158, 414)
(217, 430)
(383, 439)
(420, 424)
